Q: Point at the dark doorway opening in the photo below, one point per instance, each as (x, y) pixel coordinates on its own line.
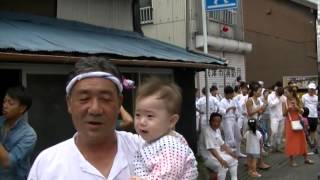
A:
(8, 78)
(48, 114)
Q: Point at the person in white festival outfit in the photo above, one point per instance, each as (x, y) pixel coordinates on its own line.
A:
(241, 101)
(229, 112)
(216, 154)
(97, 150)
(276, 101)
(201, 107)
(310, 101)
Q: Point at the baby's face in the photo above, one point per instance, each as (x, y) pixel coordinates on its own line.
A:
(152, 120)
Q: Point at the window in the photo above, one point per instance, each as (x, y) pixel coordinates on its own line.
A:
(238, 71)
(224, 17)
(145, 3)
(146, 12)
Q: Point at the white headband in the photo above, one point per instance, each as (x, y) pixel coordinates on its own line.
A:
(105, 75)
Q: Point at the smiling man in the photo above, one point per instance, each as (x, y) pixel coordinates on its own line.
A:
(97, 150)
(17, 137)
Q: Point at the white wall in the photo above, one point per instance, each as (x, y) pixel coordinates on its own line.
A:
(217, 77)
(169, 22)
(106, 13)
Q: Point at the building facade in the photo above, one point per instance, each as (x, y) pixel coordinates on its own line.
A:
(39, 52)
(179, 22)
(283, 35)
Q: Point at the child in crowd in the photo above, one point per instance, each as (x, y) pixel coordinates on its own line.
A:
(305, 124)
(165, 154)
(253, 147)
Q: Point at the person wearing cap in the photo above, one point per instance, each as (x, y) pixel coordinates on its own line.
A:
(97, 150)
(310, 101)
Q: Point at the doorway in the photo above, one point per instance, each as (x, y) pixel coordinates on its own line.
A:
(8, 78)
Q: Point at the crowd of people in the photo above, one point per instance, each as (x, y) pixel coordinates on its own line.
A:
(248, 114)
(264, 120)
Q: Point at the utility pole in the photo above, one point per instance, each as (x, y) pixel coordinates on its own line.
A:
(205, 50)
(318, 42)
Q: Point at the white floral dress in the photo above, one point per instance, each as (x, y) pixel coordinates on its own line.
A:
(169, 157)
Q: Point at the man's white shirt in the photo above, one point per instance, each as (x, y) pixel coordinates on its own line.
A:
(275, 104)
(64, 161)
(311, 102)
(226, 104)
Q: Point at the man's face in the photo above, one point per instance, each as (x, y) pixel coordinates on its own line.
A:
(12, 109)
(152, 119)
(312, 92)
(244, 91)
(94, 104)
(229, 95)
(214, 92)
(215, 123)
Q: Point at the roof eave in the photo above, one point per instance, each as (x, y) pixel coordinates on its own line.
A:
(64, 59)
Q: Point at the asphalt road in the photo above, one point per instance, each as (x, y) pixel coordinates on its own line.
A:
(280, 169)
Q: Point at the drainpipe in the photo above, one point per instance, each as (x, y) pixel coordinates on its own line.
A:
(135, 6)
(318, 42)
(205, 50)
(188, 25)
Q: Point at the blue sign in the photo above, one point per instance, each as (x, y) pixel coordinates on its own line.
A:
(212, 5)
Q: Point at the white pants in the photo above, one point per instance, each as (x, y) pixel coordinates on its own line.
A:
(197, 120)
(215, 165)
(277, 127)
(240, 121)
(232, 134)
(243, 123)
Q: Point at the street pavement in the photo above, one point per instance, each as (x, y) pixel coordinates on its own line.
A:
(280, 169)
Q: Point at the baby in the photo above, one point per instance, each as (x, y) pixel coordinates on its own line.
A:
(165, 154)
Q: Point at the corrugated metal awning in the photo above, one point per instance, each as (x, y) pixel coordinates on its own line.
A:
(38, 35)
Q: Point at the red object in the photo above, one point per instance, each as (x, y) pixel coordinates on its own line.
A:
(225, 29)
(215, 177)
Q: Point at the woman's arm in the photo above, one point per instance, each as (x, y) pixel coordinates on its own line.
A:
(250, 110)
(284, 108)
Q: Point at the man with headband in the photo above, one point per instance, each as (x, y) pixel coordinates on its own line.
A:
(96, 151)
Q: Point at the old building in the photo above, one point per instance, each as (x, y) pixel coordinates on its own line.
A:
(38, 52)
(179, 22)
(283, 36)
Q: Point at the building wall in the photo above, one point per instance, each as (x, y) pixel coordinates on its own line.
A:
(169, 22)
(214, 26)
(221, 77)
(106, 13)
(283, 37)
(224, 77)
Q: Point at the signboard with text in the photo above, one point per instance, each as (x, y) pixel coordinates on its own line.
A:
(301, 81)
(212, 5)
